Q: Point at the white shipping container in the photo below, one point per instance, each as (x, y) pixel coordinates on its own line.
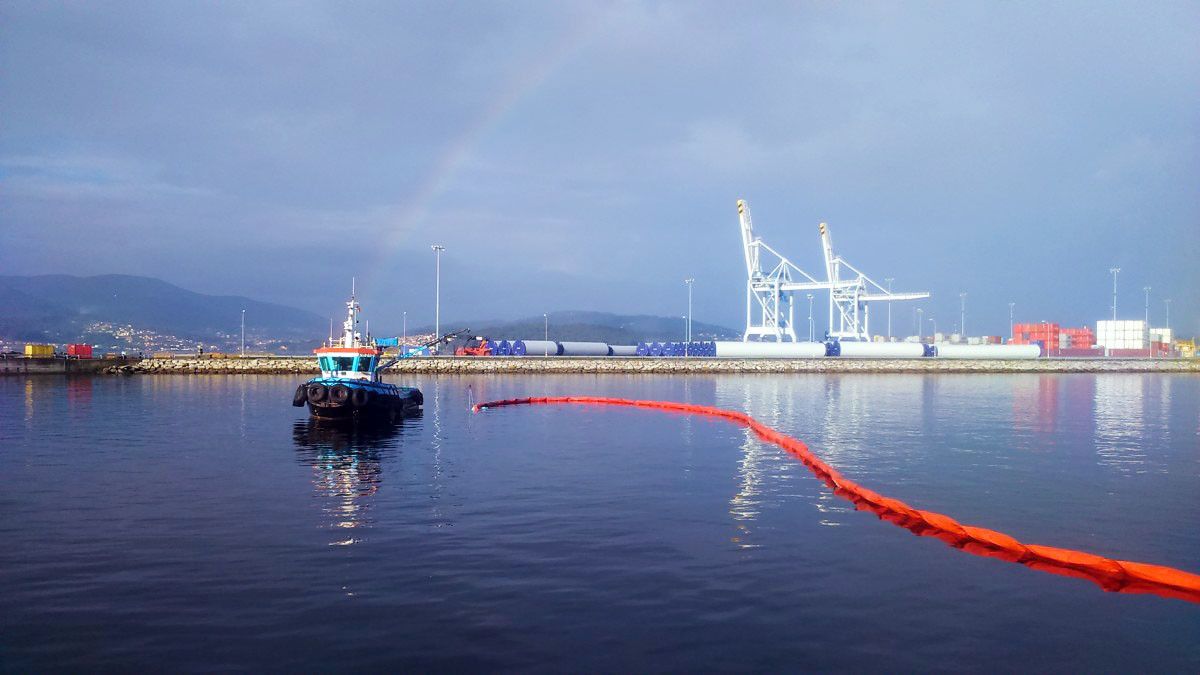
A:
(1122, 334)
(1121, 325)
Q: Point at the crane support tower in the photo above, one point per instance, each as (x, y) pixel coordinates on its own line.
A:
(769, 307)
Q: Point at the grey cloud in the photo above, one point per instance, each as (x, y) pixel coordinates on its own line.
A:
(588, 155)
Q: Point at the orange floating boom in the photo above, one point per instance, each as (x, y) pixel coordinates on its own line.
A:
(1122, 576)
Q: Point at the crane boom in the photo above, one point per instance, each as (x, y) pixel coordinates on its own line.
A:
(772, 291)
(749, 244)
(831, 270)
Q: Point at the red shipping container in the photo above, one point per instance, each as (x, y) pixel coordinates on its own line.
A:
(1080, 352)
(1129, 353)
(80, 351)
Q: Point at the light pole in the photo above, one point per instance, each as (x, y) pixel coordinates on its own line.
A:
(1114, 271)
(437, 291)
(962, 315)
(812, 328)
(888, 281)
(1167, 304)
(545, 334)
(1011, 305)
(920, 322)
(934, 322)
(243, 333)
(688, 343)
(1147, 290)
(1147, 320)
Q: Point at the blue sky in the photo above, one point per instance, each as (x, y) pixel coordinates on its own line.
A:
(589, 156)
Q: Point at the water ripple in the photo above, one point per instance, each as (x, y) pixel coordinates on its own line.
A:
(202, 523)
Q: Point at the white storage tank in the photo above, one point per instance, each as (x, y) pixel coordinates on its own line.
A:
(770, 350)
(624, 350)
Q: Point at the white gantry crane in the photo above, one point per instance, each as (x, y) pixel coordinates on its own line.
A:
(772, 290)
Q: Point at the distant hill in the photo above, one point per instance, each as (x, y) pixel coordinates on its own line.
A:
(618, 329)
(58, 308)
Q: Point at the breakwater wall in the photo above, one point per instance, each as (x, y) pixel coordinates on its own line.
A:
(59, 366)
(544, 365)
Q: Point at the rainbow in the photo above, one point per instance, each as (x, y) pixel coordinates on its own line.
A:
(440, 178)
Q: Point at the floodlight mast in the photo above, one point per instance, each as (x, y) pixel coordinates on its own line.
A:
(773, 290)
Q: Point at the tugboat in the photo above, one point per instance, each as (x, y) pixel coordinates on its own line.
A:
(351, 384)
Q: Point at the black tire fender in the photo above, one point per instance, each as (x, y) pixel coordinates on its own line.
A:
(300, 396)
(360, 398)
(317, 393)
(339, 393)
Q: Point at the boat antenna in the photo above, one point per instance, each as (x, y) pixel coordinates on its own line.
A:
(331, 330)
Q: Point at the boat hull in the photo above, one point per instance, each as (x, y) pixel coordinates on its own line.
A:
(332, 399)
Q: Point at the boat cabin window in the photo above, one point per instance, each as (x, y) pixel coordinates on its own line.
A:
(347, 363)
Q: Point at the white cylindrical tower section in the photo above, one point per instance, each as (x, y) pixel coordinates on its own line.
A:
(882, 350)
(1008, 352)
(535, 348)
(583, 348)
(770, 350)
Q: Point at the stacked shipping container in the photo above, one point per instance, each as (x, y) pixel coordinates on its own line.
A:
(1055, 339)
(1122, 335)
(1046, 334)
(1162, 335)
(1077, 338)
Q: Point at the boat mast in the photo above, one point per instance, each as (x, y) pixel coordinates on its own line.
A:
(349, 337)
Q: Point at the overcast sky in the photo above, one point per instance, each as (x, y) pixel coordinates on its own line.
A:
(589, 156)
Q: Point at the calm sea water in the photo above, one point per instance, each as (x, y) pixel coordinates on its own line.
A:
(202, 523)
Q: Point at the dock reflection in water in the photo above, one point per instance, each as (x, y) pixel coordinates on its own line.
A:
(347, 463)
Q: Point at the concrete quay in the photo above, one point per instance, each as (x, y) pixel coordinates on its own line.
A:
(56, 365)
(671, 366)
